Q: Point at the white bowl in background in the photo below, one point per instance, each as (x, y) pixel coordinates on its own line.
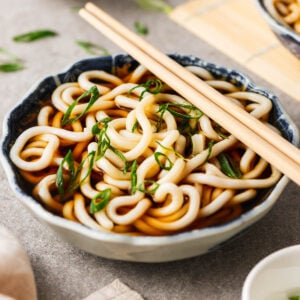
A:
(276, 277)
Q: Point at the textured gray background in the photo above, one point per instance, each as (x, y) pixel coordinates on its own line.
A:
(64, 272)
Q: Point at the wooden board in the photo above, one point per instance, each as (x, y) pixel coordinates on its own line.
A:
(236, 28)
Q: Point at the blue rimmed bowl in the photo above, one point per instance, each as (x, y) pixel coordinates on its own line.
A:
(136, 248)
(286, 35)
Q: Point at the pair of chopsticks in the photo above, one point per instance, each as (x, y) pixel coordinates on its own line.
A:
(250, 131)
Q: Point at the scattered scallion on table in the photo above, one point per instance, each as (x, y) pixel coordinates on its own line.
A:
(140, 28)
(154, 5)
(92, 48)
(34, 35)
(11, 63)
(11, 67)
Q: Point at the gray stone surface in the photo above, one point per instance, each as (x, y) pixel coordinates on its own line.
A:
(64, 272)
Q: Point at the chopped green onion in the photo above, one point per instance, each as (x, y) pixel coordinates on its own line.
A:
(11, 67)
(34, 35)
(170, 149)
(92, 48)
(294, 297)
(209, 150)
(152, 86)
(220, 133)
(93, 92)
(198, 113)
(104, 142)
(135, 126)
(141, 188)
(140, 28)
(133, 176)
(103, 139)
(157, 156)
(73, 173)
(100, 201)
(154, 5)
(168, 107)
(96, 129)
(76, 8)
(229, 166)
(60, 183)
(11, 56)
(92, 154)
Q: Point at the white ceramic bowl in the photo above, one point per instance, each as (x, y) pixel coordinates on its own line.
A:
(276, 277)
(133, 248)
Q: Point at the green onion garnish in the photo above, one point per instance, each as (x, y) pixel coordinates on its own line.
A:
(102, 138)
(60, 182)
(220, 133)
(100, 201)
(92, 48)
(104, 142)
(154, 5)
(142, 189)
(12, 64)
(170, 149)
(135, 126)
(152, 86)
(229, 166)
(185, 116)
(11, 67)
(210, 146)
(34, 35)
(73, 173)
(158, 155)
(140, 28)
(93, 92)
(294, 297)
(133, 176)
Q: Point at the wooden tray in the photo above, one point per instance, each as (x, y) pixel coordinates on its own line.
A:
(236, 28)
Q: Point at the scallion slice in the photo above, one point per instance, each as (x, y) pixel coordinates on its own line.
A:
(100, 201)
(154, 5)
(140, 28)
(169, 164)
(34, 35)
(92, 48)
(94, 95)
(229, 166)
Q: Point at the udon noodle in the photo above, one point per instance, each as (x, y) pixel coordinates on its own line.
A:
(128, 155)
(285, 11)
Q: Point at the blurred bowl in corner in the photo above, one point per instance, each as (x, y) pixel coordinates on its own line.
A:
(286, 34)
(276, 277)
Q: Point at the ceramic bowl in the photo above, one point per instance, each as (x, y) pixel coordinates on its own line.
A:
(133, 248)
(287, 36)
(275, 277)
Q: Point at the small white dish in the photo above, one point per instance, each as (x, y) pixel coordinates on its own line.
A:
(276, 277)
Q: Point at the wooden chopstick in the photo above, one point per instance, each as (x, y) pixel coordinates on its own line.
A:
(261, 139)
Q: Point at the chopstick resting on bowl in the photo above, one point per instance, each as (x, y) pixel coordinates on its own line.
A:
(250, 131)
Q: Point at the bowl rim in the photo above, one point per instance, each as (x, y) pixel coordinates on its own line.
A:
(39, 211)
(276, 24)
(264, 262)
